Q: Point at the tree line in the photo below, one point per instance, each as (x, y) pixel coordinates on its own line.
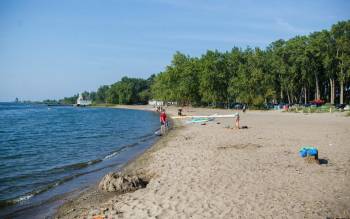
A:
(298, 70)
(126, 91)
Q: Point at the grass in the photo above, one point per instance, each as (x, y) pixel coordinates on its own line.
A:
(327, 108)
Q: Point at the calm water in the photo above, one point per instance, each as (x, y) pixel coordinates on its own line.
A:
(44, 147)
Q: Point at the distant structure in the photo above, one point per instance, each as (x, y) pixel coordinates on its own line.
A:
(82, 102)
(156, 103)
(16, 100)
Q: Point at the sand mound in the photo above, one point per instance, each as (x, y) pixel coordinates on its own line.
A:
(119, 182)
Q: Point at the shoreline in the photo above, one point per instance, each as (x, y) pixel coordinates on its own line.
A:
(46, 204)
(77, 205)
(212, 171)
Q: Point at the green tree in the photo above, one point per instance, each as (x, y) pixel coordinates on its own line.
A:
(294, 71)
(101, 94)
(341, 34)
(127, 91)
(278, 65)
(254, 83)
(214, 77)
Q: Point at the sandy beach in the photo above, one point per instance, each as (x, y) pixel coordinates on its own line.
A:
(214, 171)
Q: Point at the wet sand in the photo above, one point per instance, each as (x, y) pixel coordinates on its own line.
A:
(212, 171)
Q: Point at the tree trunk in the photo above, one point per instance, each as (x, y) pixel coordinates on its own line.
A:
(294, 99)
(341, 81)
(281, 95)
(317, 95)
(341, 92)
(288, 97)
(331, 82)
(305, 95)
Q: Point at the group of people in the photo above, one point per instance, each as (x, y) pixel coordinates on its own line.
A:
(164, 124)
(159, 108)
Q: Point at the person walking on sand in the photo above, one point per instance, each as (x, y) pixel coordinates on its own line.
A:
(163, 122)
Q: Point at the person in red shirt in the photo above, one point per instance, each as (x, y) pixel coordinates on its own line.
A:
(163, 122)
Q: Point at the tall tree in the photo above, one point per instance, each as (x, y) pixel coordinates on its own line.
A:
(101, 94)
(341, 34)
(278, 65)
(214, 78)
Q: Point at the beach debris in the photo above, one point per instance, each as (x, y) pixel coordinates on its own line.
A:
(71, 210)
(158, 133)
(119, 182)
(309, 153)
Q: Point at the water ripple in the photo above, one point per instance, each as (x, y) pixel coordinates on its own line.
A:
(40, 148)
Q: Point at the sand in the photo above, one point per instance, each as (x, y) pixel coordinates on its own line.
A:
(211, 171)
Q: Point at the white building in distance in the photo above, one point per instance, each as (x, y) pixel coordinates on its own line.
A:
(82, 102)
(161, 103)
(156, 103)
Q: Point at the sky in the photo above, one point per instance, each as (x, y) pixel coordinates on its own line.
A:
(57, 48)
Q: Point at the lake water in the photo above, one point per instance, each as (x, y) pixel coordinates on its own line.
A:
(46, 151)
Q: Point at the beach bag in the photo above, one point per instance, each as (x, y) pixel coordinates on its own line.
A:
(303, 152)
(312, 152)
(308, 151)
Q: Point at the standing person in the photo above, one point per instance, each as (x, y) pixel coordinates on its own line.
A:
(244, 108)
(237, 121)
(163, 122)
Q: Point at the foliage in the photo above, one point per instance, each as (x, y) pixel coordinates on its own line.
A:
(69, 100)
(101, 94)
(298, 70)
(128, 91)
(295, 71)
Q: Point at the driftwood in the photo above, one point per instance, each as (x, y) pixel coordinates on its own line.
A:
(119, 182)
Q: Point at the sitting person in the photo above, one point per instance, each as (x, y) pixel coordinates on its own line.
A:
(179, 112)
